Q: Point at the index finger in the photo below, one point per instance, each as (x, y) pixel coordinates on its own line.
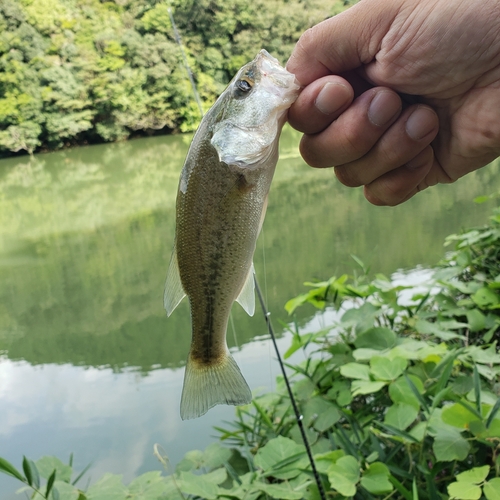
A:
(344, 42)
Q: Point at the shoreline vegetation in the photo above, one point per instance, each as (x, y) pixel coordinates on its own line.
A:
(399, 397)
(76, 72)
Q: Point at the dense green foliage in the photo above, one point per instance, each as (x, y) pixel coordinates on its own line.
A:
(78, 71)
(399, 396)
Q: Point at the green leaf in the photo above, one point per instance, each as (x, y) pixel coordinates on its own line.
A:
(303, 389)
(443, 370)
(361, 318)
(365, 387)
(476, 320)
(485, 297)
(297, 343)
(276, 451)
(376, 338)
(478, 428)
(372, 457)
(193, 484)
(9, 469)
(487, 355)
(415, 489)
(376, 479)
(321, 413)
(31, 472)
(400, 391)
(291, 466)
(344, 475)
(477, 389)
(215, 455)
(419, 431)
(148, 486)
(280, 491)
(171, 491)
(47, 465)
(476, 475)
(493, 413)
(450, 445)
(292, 304)
(491, 489)
(464, 491)
(355, 370)
(217, 476)
(50, 483)
(324, 460)
(462, 385)
(494, 428)
(387, 369)
(65, 491)
(428, 328)
(482, 199)
(54, 493)
(365, 354)
(109, 487)
(397, 434)
(401, 415)
(458, 416)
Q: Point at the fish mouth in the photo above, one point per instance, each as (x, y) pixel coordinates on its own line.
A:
(279, 77)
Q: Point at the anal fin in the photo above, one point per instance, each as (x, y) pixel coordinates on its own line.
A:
(174, 292)
(246, 298)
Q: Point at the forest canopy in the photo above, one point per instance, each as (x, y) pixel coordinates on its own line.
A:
(86, 71)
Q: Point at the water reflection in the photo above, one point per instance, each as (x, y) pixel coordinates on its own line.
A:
(107, 418)
(90, 362)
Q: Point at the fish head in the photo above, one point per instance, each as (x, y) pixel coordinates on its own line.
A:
(252, 111)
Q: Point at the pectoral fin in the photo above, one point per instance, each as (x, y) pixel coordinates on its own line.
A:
(174, 292)
(246, 298)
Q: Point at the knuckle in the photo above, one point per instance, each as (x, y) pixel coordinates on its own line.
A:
(386, 196)
(311, 154)
(346, 176)
(374, 200)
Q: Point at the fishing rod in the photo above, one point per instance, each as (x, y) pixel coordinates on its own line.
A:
(298, 416)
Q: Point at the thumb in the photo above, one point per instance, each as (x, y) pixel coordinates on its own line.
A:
(344, 42)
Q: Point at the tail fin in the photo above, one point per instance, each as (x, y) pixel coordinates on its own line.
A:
(209, 385)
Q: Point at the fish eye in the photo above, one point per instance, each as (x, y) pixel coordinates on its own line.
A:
(243, 87)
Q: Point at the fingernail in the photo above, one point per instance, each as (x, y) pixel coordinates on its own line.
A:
(332, 97)
(383, 108)
(420, 123)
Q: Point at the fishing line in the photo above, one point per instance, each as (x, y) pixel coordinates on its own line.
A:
(263, 240)
(235, 338)
(231, 320)
(298, 416)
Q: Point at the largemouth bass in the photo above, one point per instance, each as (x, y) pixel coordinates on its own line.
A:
(221, 203)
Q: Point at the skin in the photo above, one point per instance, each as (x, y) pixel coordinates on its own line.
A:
(411, 94)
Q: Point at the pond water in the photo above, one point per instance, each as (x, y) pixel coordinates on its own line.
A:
(89, 363)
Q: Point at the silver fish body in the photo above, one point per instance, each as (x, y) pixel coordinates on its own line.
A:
(221, 203)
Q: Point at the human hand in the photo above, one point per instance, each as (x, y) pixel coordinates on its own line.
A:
(400, 95)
